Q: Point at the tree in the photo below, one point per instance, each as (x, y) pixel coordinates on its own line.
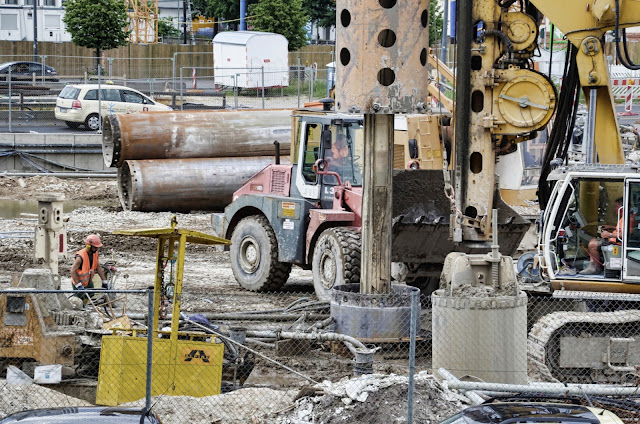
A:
(284, 17)
(435, 22)
(97, 24)
(228, 9)
(321, 12)
(167, 29)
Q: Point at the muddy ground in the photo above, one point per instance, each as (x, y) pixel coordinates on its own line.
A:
(209, 287)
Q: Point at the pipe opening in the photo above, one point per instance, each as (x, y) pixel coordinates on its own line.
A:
(109, 140)
(124, 186)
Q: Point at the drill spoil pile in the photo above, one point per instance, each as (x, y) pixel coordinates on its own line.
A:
(193, 160)
(374, 398)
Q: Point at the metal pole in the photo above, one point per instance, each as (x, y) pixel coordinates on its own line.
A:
(590, 130)
(415, 299)
(173, 72)
(262, 70)
(44, 64)
(551, 31)
(298, 70)
(110, 67)
(237, 90)
(99, 99)
(184, 21)
(445, 38)
(243, 15)
(35, 30)
(150, 335)
(9, 98)
(181, 96)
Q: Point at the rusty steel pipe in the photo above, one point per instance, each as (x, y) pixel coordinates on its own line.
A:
(184, 185)
(194, 134)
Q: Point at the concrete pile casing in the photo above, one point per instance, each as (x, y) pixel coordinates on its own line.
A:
(192, 160)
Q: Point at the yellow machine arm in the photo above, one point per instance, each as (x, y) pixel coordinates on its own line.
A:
(584, 23)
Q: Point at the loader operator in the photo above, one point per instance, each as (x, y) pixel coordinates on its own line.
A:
(86, 265)
(340, 160)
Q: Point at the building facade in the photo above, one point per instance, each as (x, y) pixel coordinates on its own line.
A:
(17, 23)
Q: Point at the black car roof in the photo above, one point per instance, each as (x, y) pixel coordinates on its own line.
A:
(532, 412)
(95, 414)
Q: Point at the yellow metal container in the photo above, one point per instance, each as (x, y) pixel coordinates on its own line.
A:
(180, 368)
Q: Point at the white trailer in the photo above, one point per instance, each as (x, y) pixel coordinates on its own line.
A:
(250, 59)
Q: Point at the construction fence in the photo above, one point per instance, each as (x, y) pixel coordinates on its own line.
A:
(28, 100)
(287, 358)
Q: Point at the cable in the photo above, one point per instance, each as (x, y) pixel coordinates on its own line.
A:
(560, 138)
(625, 61)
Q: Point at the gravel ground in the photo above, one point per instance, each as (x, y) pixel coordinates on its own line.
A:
(209, 286)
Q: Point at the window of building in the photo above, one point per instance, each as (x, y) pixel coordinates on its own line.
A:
(49, 2)
(8, 22)
(28, 2)
(52, 21)
(10, 1)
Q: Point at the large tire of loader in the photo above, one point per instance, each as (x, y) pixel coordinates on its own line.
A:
(336, 260)
(254, 256)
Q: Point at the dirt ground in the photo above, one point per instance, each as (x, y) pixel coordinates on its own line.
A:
(209, 287)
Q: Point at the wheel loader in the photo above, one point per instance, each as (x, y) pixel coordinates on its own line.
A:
(308, 214)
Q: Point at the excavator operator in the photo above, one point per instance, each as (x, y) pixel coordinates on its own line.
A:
(608, 235)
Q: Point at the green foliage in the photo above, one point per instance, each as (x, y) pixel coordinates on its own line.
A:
(284, 17)
(167, 29)
(435, 22)
(321, 12)
(227, 9)
(97, 24)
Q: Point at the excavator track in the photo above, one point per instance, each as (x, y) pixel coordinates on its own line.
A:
(545, 349)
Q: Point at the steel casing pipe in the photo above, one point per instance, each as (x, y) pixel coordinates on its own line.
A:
(184, 185)
(194, 134)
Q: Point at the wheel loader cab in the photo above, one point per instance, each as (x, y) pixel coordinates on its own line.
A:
(340, 141)
(590, 231)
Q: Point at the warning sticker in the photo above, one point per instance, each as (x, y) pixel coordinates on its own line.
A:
(287, 224)
(289, 209)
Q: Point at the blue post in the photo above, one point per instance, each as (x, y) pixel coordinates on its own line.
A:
(243, 15)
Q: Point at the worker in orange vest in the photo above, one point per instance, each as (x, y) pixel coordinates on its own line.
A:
(86, 265)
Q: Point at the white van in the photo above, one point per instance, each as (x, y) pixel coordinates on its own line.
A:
(78, 104)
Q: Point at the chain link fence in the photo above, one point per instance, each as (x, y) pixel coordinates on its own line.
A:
(287, 358)
(28, 98)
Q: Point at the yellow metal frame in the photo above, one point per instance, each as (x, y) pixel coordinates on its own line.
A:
(182, 366)
(171, 236)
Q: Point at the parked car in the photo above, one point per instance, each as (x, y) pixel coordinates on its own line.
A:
(532, 412)
(78, 104)
(23, 71)
(83, 414)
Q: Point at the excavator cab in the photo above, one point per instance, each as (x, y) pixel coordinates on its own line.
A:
(590, 232)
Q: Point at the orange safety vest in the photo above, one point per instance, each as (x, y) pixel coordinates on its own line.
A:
(85, 274)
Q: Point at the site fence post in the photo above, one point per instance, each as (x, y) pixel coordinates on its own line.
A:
(298, 71)
(415, 302)
(9, 98)
(262, 71)
(44, 64)
(150, 332)
(181, 98)
(173, 72)
(99, 99)
(236, 90)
